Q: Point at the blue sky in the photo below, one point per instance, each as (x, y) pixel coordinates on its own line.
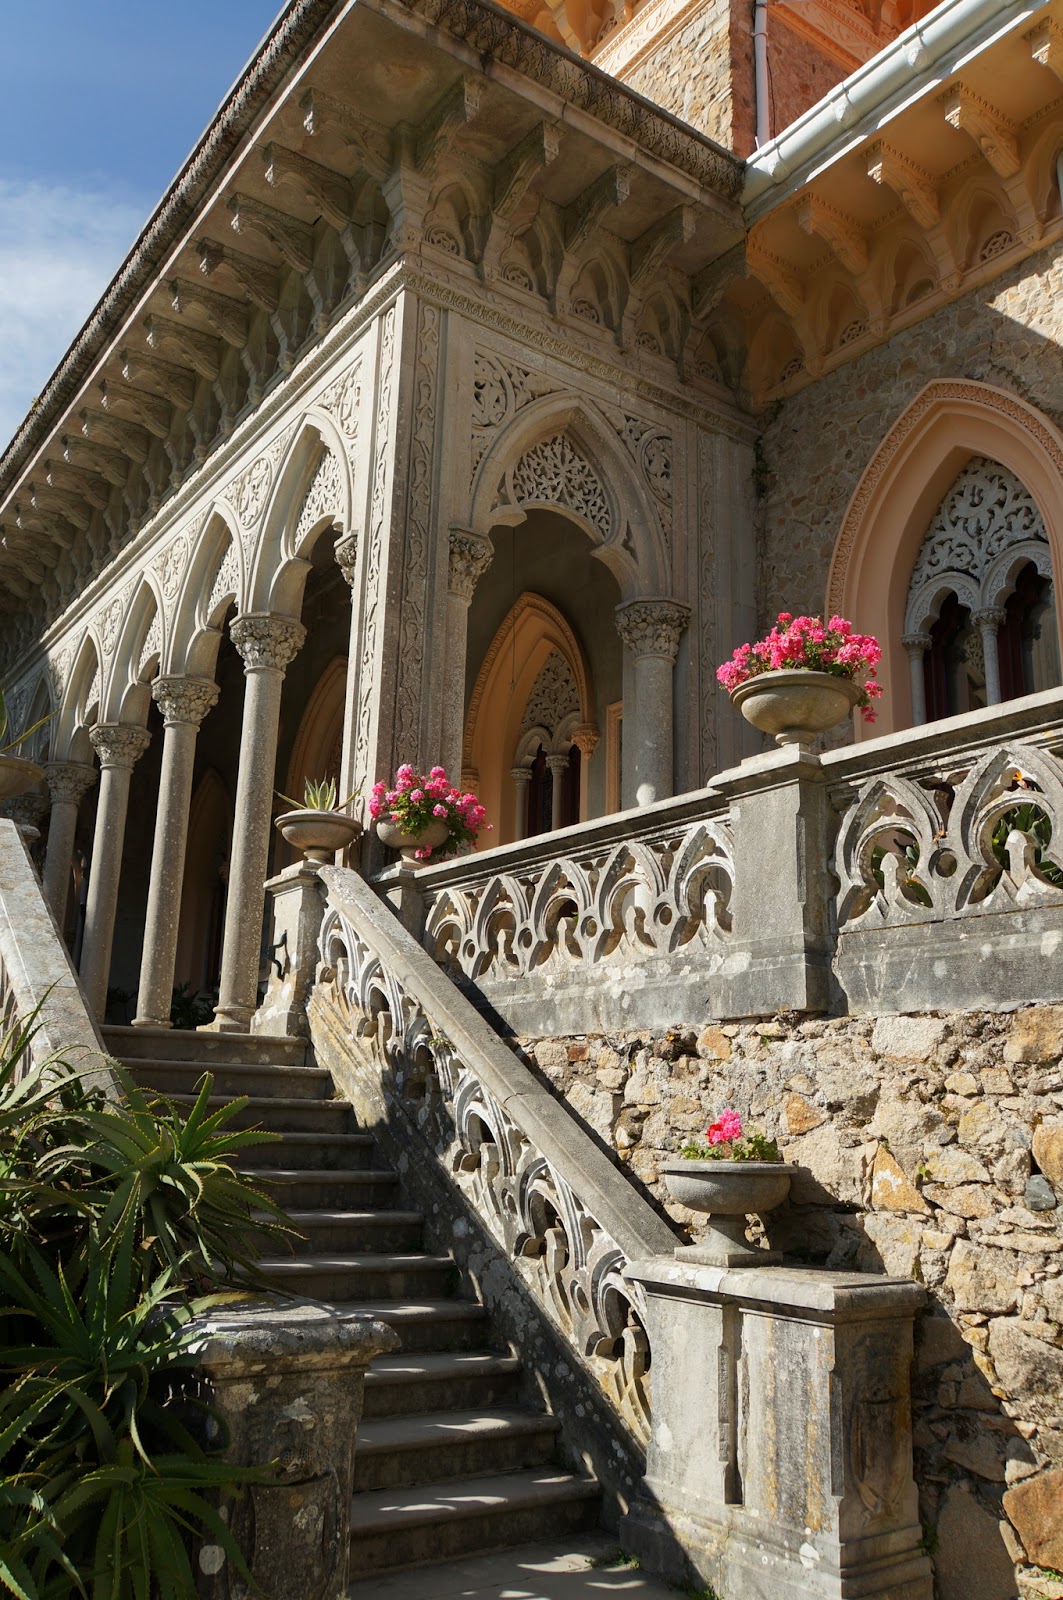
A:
(100, 103)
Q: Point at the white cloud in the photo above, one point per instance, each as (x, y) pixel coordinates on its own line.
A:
(59, 248)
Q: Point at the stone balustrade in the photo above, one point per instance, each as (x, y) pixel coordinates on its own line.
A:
(912, 871)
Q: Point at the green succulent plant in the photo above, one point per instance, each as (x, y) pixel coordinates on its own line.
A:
(13, 744)
(319, 794)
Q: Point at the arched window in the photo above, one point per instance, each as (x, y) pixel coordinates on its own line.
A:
(547, 759)
(979, 622)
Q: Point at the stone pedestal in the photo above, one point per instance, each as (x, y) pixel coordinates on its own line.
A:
(782, 946)
(780, 1461)
(298, 907)
(287, 1382)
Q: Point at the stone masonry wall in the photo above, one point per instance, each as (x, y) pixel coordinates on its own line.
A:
(818, 443)
(799, 74)
(689, 73)
(932, 1148)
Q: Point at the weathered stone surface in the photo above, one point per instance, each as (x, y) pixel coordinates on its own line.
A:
(828, 1166)
(1048, 1152)
(965, 1200)
(908, 1038)
(980, 1282)
(1039, 1194)
(1035, 1507)
(1027, 1368)
(802, 1116)
(714, 1044)
(1036, 1035)
(890, 1189)
(955, 1166)
(969, 1542)
(897, 1241)
(1052, 1299)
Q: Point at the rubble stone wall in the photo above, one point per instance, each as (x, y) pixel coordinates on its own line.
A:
(931, 1147)
(816, 444)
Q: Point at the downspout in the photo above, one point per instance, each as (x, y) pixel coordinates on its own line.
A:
(760, 72)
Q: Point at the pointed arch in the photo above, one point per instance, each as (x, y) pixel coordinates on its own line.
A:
(902, 487)
(589, 477)
(80, 704)
(307, 499)
(214, 582)
(528, 635)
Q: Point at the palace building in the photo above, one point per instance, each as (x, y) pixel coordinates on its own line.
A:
(486, 375)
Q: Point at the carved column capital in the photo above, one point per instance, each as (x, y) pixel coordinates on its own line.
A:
(346, 551)
(184, 699)
(585, 737)
(27, 810)
(69, 781)
(520, 774)
(916, 644)
(988, 617)
(119, 744)
(557, 763)
(266, 643)
(470, 556)
(652, 627)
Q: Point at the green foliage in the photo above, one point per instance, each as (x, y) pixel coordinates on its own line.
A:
(120, 1220)
(1028, 818)
(615, 1558)
(189, 1009)
(319, 794)
(753, 1146)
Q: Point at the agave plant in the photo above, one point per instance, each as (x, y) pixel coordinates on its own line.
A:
(319, 794)
(13, 744)
(120, 1221)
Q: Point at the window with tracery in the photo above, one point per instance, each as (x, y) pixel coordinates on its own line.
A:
(980, 620)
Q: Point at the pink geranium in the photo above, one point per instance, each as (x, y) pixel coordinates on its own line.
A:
(416, 800)
(805, 643)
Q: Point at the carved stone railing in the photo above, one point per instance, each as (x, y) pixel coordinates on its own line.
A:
(643, 899)
(564, 1216)
(35, 969)
(916, 871)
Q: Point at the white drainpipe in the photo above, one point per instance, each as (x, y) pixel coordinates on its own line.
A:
(760, 71)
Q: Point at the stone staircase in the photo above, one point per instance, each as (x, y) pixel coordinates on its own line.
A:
(449, 1461)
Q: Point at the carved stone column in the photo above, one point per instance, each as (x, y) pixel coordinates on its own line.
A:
(119, 747)
(558, 766)
(68, 783)
(346, 553)
(184, 702)
(586, 738)
(267, 644)
(521, 778)
(989, 622)
(917, 645)
(651, 630)
(470, 556)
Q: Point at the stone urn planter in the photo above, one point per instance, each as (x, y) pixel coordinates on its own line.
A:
(396, 838)
(17, 776)
(728, 1191)
(794, 705)
(318, 834)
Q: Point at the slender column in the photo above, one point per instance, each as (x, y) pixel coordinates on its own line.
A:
(68, 783)
(521, 778)
(267, 645)
(651, 629)
(184, 702)
(989, 622)
(917, 645)
(558, 766)
(585, 737)
(470, 556)
(119, 747)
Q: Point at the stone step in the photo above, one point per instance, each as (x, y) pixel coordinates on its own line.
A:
(430, 1324)
(440, 1381)
(188, 1044)
(407, 1527)
(312, 1152)
(354, 1277)
(312, 1188)
(231, 1078)
(358, 1232)
(283, 1115)
(396, 1452)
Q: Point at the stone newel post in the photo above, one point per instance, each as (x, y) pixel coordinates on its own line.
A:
(470, 556)
(267, 644)
(651, 629)
(68, 783)
(780, 1462)
(184, 702)
(119, 747)
(287, 1382)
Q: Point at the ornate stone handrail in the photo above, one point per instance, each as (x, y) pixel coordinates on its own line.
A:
(35, 968)
(614, 899)
(565, 1216)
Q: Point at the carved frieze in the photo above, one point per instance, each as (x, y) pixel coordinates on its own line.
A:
(500, 389)
(324, 497)
(343, 400)
(556, 472)
(554, 696)
(418, 528)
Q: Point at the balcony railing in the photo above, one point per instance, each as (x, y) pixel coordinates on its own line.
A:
(920, 871)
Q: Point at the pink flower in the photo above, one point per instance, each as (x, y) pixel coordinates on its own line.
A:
(727, 1126)
(439, 811)
(416, 795)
